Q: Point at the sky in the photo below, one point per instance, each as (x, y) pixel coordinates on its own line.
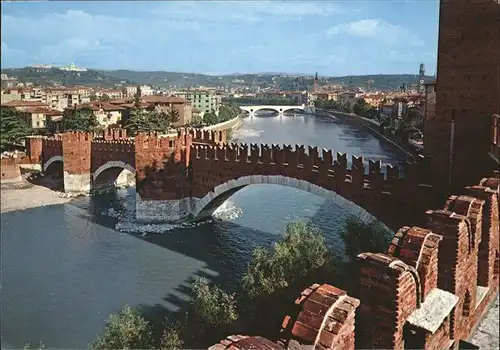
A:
(333, 38)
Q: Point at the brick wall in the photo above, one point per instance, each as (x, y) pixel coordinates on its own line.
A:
(34, 146)
(424, 293)
(76, 147)
(468, 88)
(9, 169)
(367, 186)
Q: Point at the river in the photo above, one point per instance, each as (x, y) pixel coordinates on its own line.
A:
(65, 268)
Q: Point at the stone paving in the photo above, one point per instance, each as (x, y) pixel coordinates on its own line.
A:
(487, 335)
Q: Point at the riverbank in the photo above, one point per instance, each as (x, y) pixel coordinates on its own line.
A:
(26, 195)
(372, 125)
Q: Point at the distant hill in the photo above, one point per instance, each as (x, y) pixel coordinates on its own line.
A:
(108, 78)
(54, 76)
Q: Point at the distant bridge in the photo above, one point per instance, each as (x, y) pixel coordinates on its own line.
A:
(279, 109)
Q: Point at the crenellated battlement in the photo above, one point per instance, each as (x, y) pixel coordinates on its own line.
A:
(213, 137)
(112, 134)
(427, 292)
(52, 142)
(119, 145)
(313, 160)
(76, 136)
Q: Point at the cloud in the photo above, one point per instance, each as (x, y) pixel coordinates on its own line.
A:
(243, 11)
(72, 35)
(378, 30)
(10, 54)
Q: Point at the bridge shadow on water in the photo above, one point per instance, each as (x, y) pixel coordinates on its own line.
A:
(225, 256)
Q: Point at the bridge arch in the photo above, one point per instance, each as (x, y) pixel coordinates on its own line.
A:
(51, 161)
(112, 164)
(278, 109)
(212, 200)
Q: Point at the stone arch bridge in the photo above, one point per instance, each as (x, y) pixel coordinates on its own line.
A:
(279, 109)
(191, 173)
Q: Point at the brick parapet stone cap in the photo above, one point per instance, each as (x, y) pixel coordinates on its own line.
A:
(317, 302)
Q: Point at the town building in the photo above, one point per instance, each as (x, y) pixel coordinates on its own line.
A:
(164, 103)
(129, 91)
(203, 100)
(37, 116)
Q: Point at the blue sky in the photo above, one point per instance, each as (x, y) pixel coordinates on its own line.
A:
(331, 37)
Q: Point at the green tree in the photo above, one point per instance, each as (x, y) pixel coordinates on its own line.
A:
(210, 118)
(81, 119)
(361, 108)
(172, 115)
(360, 236)
(171, 338)
(51, 126)
(142, 120)
(13, 128)
(105, 97)
(211, 305)
(93, 97)
(137, 97)
(125, 330)
(295, 259)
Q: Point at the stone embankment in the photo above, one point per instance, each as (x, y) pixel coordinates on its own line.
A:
(231, 124)
(411, 150)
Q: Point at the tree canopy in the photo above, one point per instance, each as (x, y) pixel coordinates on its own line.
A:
(146, 120)
(226, 112)
(13, 128)
(125, 330)
(359, 236)
(79, 119)
(295, 258)
(172, 115)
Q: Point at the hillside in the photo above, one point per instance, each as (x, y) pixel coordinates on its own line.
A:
(107, 78)
(54, 76)
(284, 82)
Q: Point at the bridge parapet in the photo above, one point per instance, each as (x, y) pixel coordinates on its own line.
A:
(213, 137)
(366, 184)
(313, 160)
(112, 134)
(120, 145)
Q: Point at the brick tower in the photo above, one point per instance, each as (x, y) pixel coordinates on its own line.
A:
(468, 92)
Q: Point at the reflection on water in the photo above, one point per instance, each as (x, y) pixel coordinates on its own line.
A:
(66, 267)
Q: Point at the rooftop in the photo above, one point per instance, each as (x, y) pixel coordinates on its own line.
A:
(20, 103)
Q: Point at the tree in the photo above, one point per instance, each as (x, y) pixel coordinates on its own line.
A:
(13, 128)
(295, 259)
(105, 97)
(361, 107)
(51, 126)
(125, 330)
(210, 118)
(359, 236)
(172, 115)
(210, 304)
(142, 120)
(170, 338)
(81, 119)
(137, 97)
